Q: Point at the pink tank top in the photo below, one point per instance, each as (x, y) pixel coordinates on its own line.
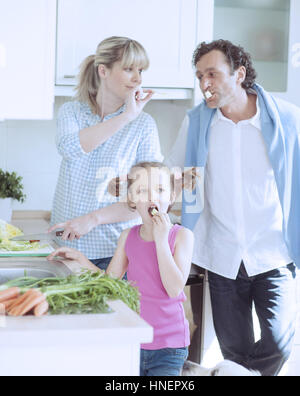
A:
(163, 313)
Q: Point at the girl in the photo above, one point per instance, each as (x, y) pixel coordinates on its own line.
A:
(102, 134)
(157, 257)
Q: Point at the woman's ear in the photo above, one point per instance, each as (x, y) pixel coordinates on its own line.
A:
(102, 71)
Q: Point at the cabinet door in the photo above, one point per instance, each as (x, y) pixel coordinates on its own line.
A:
(269, 30)
(292, 93)
(261, 27)
(27, 58)
(167, 30)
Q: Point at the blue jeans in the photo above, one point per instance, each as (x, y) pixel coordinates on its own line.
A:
(162, 362)
(274, 297)
(103, 264)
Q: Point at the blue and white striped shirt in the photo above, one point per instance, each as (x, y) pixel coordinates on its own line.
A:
(84, 177)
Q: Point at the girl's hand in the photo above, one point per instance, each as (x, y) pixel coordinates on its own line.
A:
(76, 228)
(135, 104)
(66, 253)
(161, 227)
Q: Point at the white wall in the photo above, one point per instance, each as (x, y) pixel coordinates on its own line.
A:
(28, 148)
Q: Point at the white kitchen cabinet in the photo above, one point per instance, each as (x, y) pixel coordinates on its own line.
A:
(269, 30)
(292, 92)
(27, 58)
(166, 28)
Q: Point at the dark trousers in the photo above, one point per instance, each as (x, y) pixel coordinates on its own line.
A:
(102, 263)
(273, 295)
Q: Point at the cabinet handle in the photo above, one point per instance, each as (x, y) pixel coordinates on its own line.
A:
(69, 76)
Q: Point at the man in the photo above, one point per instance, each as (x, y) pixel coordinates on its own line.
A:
(248, 233)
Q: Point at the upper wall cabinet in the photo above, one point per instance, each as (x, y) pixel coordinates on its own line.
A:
(269, 30)
(167, 29)
(27, 58)
(293, 85)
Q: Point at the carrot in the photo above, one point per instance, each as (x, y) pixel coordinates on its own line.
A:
(29, 303)
(22, 298)
(41, 309)
(9, 293)
(8, 303)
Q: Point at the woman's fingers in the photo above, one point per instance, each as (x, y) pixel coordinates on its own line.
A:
(66, 234)
(72, 255)
(56, 226)
(73, 235)
(70, 234)
(64, 252)
(148, 97)
(58, 252)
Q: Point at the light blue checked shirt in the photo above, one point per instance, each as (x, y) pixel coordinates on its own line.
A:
(84, 177)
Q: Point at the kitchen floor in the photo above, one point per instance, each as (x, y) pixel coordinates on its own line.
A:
(292, 367)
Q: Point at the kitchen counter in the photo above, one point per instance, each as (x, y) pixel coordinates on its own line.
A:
(77, 345)
(102, 344)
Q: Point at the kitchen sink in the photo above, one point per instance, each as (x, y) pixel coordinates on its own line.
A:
(37, 269)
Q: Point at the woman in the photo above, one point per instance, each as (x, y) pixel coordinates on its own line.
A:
(100, 136)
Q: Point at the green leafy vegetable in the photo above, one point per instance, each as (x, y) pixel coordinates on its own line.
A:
(13, 246)
(87, 292)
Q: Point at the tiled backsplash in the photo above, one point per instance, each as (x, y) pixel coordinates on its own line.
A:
(28, 148)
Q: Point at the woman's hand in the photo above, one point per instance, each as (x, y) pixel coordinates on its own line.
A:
(161, 227)
(135, 103)
(76, 228)
(75, 256)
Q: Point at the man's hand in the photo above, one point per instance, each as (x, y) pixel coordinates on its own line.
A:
(190, 178)
(186, 180)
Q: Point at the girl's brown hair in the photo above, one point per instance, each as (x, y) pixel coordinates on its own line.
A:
(113, 49)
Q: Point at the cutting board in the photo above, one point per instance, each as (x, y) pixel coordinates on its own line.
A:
(43, 252)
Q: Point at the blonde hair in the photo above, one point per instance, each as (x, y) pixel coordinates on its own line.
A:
(113, 49)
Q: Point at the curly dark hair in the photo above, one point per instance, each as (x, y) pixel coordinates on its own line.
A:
(236, 56)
